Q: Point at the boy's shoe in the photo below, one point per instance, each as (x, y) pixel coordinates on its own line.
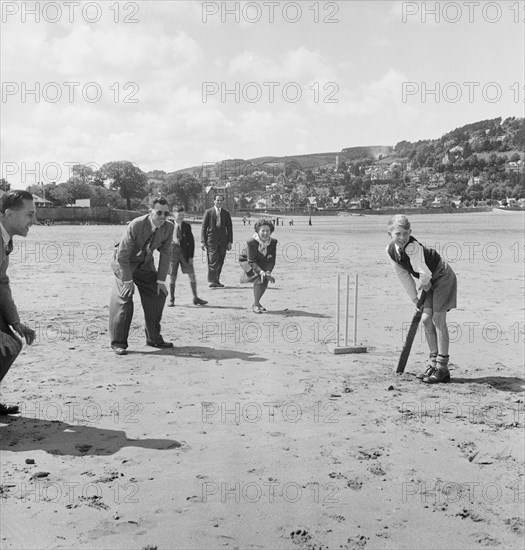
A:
(171, 304)
(8, 409)
(199, 302)
(428, 372)
(441, 374)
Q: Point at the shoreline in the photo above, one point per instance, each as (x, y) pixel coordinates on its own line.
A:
(90, 216)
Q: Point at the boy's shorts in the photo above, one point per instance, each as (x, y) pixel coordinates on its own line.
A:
(178, 259)
(443, 294)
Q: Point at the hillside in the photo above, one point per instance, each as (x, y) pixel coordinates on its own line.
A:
(309, 161)
(479, 139)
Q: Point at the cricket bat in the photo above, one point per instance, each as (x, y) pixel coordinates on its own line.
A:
(405, 352)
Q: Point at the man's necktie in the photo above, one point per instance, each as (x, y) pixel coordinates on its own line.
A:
(218, 218)
(149, 240)
(9, 247)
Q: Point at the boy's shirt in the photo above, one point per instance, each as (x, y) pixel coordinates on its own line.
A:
(415, 262)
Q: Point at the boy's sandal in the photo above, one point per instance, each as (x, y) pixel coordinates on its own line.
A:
(428, 372)
(257, 309)
(440, 375)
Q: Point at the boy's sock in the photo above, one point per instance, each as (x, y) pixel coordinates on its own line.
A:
(442, 361)
(194, 289)
(172, 294)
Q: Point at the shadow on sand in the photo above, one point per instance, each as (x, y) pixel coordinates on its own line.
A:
(60, 438)
(205, 353)
(511, 384)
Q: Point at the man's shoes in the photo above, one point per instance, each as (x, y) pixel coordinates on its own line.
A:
(199, 302)
(428, 372)
(219, 285)
(441, 374)
(6, 409)
(171, 304)
(213, 285)
(161, 345)
(119, 350)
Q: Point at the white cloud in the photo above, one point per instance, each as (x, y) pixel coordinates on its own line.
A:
(299, 64)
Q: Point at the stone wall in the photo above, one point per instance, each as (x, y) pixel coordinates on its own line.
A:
(83, 215)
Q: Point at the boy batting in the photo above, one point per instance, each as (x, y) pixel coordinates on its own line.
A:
(411, 260)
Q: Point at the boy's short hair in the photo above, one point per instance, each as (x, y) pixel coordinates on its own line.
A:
(158, 200)
(14, 200)
(399, 220)
(262, 222)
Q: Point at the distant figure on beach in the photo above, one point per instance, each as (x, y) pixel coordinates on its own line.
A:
(244, 221)
(310, 220)
(182, 252)
(216, 239)
(17, 215)
(411, 260)
(133, 265)
(258, 261)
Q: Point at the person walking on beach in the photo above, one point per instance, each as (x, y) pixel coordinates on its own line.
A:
(258, 261)
(182, 252)
(411, 260)
(216, 239)
(17, 215)
(133, 265)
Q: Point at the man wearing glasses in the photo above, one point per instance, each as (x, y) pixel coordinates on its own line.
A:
(216, 239)
(133, 265)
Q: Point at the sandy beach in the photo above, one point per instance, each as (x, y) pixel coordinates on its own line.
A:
(251, 432)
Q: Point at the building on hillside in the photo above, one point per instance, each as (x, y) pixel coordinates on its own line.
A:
(514, 167)
(40, 201)
(83, 203)
(473, 180)
(226, 191)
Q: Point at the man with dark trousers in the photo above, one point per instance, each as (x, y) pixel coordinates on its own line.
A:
(17, 215)
(133, 265)
(216, 239)
(182, 252)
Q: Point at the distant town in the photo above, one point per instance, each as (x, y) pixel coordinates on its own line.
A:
(481, 164)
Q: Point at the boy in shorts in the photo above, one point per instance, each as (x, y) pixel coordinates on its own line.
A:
(182, 251)
(411, 260)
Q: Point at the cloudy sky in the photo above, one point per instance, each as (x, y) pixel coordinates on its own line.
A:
(170, 84)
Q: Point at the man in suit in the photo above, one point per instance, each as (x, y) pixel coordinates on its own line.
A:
(216, 239)
(182, 252)
(133, 265)
(17, 215)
